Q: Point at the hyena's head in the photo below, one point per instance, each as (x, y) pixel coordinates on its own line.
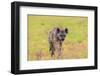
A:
(61, 33)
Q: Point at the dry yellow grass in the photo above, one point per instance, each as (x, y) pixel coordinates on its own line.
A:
(70, 51)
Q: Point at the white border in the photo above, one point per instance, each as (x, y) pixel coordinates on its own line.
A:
(26, 65)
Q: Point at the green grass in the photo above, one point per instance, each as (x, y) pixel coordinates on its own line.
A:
(75, 44)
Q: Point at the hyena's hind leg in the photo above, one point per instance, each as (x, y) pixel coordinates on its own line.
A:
(52, 49)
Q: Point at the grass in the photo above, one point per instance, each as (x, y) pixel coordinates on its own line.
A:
(75, 45)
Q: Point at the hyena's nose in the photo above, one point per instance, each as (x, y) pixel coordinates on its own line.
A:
(62, 39)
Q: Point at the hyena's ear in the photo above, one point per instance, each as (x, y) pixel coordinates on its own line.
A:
(66, 30)
(58, 30)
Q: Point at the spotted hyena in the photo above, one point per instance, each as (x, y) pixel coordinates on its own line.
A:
(56, 38)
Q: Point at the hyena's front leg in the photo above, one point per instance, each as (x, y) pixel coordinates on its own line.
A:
(59, 53)
(59, 50)
(52, 51)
